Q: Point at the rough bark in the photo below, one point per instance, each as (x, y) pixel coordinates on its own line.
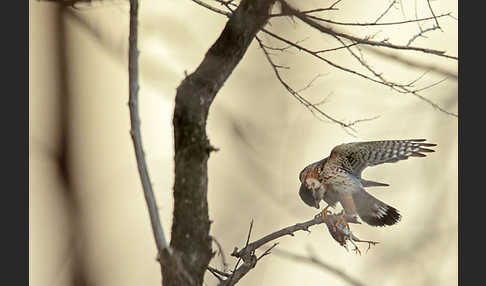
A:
(190, 238)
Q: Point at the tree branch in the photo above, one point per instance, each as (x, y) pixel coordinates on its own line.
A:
(386, 11)
(433, 15)
(296, 94)
(378, 24)
(401, 88)
(136, 134)
(205, 5)
(339, 231)
(327, 30)
(367, 43)
(190, 228)
(249, 249)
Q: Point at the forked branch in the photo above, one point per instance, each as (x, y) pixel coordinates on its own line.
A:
(338, 229)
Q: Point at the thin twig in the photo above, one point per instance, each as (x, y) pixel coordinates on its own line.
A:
(268, 251)
(378, 24)
(335, 49)
(386, 11)
(431, 85)
(215, 273)
(306, 19)
(357, 41)
(290, 230)
(296, 94)
(249, 261)
(330, 8)
(338, 229)
(247, 254)
(310, 83)
(397, 87)
(221, 253)
(361, 60)
(421, 34)
(433, 14)
(136, 134)
(414, 64)
(205, 5)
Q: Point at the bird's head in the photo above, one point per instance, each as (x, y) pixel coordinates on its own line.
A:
(309, 186)
(307, 195)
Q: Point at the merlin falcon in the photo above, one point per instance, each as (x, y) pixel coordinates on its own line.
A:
(337, 178)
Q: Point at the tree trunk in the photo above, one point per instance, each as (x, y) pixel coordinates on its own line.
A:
(190, 238)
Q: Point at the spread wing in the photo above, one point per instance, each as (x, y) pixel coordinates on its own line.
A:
(355, 157)
(332, 198)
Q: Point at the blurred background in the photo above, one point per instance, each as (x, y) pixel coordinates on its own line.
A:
(89, 224)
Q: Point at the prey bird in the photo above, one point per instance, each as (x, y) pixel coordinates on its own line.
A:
(337, 178)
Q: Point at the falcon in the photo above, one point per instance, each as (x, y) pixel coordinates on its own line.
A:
(337, 178)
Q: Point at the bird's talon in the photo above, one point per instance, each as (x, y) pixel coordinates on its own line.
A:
(324, 213)
(341, 220)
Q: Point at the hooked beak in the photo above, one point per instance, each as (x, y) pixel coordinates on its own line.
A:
(307, 196)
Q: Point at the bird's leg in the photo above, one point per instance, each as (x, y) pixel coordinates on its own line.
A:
(323, 214)
(341, 220)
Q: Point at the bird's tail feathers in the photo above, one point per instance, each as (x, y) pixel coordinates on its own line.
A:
(373, 211)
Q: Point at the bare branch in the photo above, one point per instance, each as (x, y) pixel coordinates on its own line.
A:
(323, 100)
(364, 120)
(228, 4)
(222, 273)
(337, 226)
(315, 54)
(218, 273)
(194, 96)
(136, 134)
(433, 14)
(330, 8)
(313, 108)
(290, 230)
(247, 254)
(378, 24)
(301, 99)
(306, 19)
(431, 85)
(310, 83)
(282, 49)
(386, 11)
(268, 251)
(401, 88)
(361, 60)
(205, 5)
(411, 63)
(221, 253)
(335, 49)
(215, 272)
(248, 263)
(421, 34)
